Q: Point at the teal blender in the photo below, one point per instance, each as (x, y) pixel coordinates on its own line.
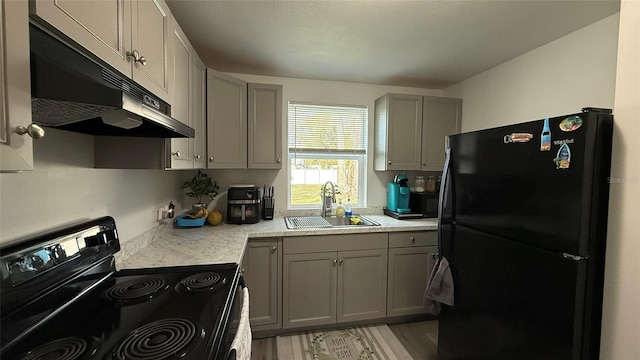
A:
(398, 194)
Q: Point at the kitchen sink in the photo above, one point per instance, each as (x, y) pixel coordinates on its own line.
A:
(310, 222)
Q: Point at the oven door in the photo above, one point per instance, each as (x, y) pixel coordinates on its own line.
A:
(237, 344)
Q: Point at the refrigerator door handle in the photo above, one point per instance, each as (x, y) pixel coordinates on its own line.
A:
(446, 186)
(442, 197)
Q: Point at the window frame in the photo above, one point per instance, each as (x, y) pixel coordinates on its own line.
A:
(339, 154)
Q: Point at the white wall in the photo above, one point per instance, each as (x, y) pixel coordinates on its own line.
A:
(561, 77)
(621, 317)
(65, 188)
(324, 92)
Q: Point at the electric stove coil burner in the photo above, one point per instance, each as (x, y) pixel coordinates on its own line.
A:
(201, 282)
(163, 339)
(136, 290)
(70, 348)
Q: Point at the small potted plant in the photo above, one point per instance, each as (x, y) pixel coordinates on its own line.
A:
(201, 187)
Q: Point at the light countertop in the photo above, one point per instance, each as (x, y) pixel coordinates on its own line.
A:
(225, 243)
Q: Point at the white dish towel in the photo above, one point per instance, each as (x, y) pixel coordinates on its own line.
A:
(242, 341)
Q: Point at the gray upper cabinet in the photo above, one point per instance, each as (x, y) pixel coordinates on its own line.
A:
(188, 106)
(441, 117)
(183, 90)
(16, 149)
(398, 128)
(264, 111)
(133, 36)
(263, 259)
(410, 131)
(226, 121)
(199, 113)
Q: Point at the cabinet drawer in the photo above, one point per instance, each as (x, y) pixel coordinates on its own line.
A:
(319, 243)
(413, 238)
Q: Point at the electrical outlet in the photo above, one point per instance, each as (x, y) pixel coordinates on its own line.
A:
(161, 214)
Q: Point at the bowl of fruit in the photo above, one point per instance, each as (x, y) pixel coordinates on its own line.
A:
(193, 218)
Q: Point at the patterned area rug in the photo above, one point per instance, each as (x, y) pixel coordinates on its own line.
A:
(354, 343)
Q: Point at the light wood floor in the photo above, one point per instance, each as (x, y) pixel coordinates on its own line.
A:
(420, 339)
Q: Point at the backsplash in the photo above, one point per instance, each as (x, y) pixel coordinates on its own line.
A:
(133, 245)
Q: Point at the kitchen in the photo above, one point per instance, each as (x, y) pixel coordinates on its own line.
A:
(64, 185)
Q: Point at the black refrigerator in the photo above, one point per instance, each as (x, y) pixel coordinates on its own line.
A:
(523, 218)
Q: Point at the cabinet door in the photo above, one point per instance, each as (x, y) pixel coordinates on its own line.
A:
(226, 121)
(199, 113)
(151, 37)
(183, 96)
(262, 275)
(102, 27)
(398, 124)
(362, 285)
(309, 289)
(264, 112)
(441, 117)
(16, 151)
(409, 270)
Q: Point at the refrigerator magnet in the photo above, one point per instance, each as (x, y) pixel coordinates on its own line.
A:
(517, 138)
(571, 123)
(563, 158)
(545, 137)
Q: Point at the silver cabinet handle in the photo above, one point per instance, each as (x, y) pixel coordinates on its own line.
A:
(434, 255)
(210, 158)
(197, 157)
(335, 261)
(136, 57)
(389, 162)
(33, 130)
(413, 240)
(278, 160)
(341, 261)
(177, 153)
(273, 249)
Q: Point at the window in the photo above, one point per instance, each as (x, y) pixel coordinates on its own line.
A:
(326, 143)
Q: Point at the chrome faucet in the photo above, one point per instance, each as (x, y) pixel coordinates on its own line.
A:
(326, 210)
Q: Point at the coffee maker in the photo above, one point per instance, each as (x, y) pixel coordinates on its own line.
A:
(398, 194)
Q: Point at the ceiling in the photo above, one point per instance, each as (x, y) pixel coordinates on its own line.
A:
(428, 44)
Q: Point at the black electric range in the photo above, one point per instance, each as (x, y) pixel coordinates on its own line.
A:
(62, 299)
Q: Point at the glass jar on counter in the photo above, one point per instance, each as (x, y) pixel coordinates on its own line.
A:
(431, 184)
(419, 184)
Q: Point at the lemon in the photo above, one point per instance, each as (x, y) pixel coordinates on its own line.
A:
(215, 217)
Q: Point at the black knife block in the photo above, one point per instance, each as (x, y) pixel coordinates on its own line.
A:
(267, 212)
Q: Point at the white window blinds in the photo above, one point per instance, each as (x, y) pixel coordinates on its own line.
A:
(327, 129)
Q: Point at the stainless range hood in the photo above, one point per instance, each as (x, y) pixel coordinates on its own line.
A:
(71, 92)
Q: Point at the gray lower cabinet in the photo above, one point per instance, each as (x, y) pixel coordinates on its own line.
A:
(263, 264)
(309, 289)
(324, 287)
(411, 258)
(362, 285)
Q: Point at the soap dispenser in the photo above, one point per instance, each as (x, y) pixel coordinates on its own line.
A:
(347, 208)
(340, 209)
